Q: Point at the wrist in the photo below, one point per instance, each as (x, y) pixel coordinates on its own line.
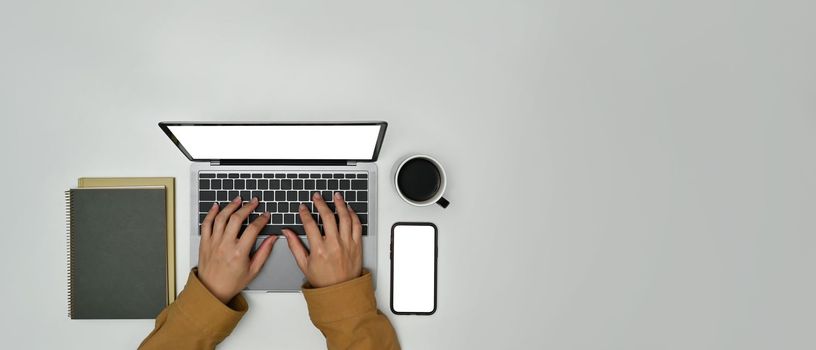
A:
(223, 296)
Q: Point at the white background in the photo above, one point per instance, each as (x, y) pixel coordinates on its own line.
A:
(623, 174)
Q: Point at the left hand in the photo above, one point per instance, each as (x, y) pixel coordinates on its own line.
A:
(224, 264)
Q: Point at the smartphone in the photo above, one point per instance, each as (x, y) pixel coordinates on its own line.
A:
(413, 268)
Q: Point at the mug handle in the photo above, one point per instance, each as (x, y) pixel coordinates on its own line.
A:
(443, 202)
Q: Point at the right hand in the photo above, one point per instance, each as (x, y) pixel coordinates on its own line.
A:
(336, 257)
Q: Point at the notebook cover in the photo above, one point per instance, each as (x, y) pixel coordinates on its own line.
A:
(117, 248)
(169, 185)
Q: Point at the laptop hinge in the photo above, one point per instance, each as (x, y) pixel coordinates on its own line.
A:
(351, 162)
(276, 162)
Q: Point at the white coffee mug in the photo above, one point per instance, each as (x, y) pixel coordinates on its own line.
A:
(421, 179)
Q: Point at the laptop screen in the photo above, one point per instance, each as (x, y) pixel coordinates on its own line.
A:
(268, 141)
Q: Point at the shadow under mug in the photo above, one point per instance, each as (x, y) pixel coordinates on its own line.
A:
(420, 180)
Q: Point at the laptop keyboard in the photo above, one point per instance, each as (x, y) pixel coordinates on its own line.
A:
(280, 193)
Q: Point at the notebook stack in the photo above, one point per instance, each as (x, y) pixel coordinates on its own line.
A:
(121, 247)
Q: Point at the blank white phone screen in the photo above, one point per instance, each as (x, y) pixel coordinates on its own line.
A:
(414, 268)
(344, 142)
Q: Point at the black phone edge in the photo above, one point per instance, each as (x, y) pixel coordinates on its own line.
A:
(436, 258)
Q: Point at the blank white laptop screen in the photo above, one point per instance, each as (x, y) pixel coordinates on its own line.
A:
(308, 142)
(414, 270)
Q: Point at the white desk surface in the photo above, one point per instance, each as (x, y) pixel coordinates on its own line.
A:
(623, 174)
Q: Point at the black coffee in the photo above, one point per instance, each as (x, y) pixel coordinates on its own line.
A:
(419, 179)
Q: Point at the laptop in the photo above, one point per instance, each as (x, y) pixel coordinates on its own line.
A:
(282, 164)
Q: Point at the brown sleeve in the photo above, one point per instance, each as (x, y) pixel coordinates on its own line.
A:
(347, 315)
(196, 320)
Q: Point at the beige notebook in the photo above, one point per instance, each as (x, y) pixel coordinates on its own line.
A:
(169, 185)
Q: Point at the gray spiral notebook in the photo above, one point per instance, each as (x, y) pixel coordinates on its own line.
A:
(117, 246)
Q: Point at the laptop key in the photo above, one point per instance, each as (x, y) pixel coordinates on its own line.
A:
(204, 207)
(332, 184)
(291, 196)
(362, 175)
(206, 195)
(278, 229)
(245, 196)
(326, 176)
(263, 184)
(320, 185)
(215, 184)
(297, 184)
(233, 194)
(280, 176)
(268, 196)
(251, 184)
(338, 176)
(271, 207)
(350, 196)
(221, 196)
(359, 184)
(277, 218)
(294, 207)
(238, 184)
(204, 184)
(280, 196)
(362, 196)
(288, 218)
(206, 175)
(227, 184)
(303, 176)
(268, 176)
(359, 207)
(363, 218)
(314, 176)
(201, 217)
(256, 176)
(257, 194)
(286, 184)
(303, 196)
(221, 175)
(308, 184)
(365, 230)
(344, 184)
(291, 176)
(327, 196)
(233, 176)
(274, 184)
(244, 176)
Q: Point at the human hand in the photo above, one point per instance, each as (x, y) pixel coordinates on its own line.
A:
(224, 264)
(336, 257)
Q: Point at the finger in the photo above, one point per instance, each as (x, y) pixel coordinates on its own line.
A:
(261, 255)
(329, 225)
(223, 217)
(310, 226)
(206, 225)
(343, 215)
(298, 250)
(356, 227)
(238, 218)
(255, 227)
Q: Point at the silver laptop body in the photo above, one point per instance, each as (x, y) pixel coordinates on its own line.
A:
(281, 273)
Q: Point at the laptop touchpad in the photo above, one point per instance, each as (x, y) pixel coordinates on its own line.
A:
(280, 273)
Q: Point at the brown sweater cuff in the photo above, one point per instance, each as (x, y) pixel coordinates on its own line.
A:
(341, 301)
(208, 313)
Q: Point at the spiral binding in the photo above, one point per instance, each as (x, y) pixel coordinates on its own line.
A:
(69, 248)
